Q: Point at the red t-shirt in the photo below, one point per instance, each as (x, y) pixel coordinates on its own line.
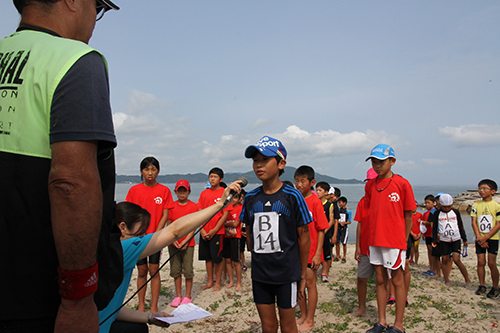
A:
(179, 211)
(320, 222)
(207, 198)
(234, 215)
(387, 200)
(425, 217)
(417, 217)
(364, 229)
(154, 199)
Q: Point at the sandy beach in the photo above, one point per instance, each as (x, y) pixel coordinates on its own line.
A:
(433, 307)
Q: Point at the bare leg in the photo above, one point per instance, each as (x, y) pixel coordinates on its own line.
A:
(397, 277)
(237, 268)
(142, 277)
(155, 286)
(189, 287)
(178, 286)
(229, 270)
(362, 289)
(218, 276)
(446, 269)
(381, 280)
(287, 320)
(461, 267)
(481, 263)
(267, 314)
(492, 264)
(210, 275)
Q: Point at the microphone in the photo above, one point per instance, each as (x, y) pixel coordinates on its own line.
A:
(243, 182)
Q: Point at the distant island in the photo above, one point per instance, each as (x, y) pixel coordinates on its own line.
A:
(230, 177)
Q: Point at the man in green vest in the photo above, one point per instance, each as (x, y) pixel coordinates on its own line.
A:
(60, 260)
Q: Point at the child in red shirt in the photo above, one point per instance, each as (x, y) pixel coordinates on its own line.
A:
(182, 262)
(157, 200)
(389, 200)
(304, 181)
(232, 238)
(415, 234)
(212, 234)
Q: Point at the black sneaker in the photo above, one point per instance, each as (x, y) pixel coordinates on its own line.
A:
(494, 293)
(481, 290)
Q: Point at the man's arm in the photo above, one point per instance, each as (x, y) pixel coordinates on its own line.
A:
(76, 208)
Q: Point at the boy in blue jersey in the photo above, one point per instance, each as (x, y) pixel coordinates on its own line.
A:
(344, 221)
(277, 217)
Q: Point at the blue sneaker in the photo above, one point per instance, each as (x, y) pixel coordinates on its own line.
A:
(431, 273)
(426, 272)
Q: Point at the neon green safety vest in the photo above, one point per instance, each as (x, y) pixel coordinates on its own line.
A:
(32, 64)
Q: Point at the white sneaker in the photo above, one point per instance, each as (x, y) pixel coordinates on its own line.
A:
(324, 278)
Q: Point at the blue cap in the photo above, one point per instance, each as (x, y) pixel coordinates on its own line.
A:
(267, 146)
(381, 152)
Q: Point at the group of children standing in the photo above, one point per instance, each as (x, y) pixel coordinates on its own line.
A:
(290, 231)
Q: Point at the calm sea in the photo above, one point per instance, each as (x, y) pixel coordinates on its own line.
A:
(353, 193)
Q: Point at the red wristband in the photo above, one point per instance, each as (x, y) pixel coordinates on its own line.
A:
(75, 285)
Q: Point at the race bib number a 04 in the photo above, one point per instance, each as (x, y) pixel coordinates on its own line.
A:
(485, 223)
(266, 233)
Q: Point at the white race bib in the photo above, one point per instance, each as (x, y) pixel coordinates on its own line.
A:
(266, 233)
(342, 217)
(485, 223)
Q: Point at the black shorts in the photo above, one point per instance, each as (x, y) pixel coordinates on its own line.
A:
(448, 248)
(285, 295)
(342, 234)
(428, 241)
(409, 245)
(211, 250)
(231, 249)
(492, 247)
(436, 251)
(243, 241)
(154, 259)
(327, 246)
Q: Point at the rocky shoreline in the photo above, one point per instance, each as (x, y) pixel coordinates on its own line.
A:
(465, 200)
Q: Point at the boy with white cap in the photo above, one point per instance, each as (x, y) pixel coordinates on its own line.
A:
(448, 230)
(389, 201)
(277, 217)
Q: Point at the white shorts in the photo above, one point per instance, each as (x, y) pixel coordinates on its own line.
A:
(387, 257)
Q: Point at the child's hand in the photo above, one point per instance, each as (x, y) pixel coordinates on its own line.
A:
(434, 244)
(316, 261)
(357, 254)
(302, 289)
(481, 240)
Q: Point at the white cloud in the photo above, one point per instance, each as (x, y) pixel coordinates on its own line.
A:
(472, 135)
(434, 161)
(260, 122)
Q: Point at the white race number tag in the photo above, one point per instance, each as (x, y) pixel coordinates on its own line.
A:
(485, 223)
(266, 233)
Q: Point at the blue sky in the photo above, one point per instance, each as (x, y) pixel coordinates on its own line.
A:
(195, 82)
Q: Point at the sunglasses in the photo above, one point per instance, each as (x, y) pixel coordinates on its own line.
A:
(101, 8)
